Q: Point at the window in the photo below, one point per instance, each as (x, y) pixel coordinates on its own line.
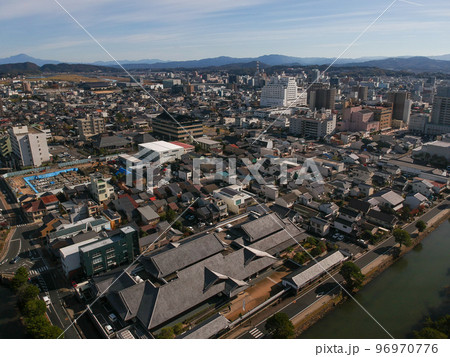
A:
(97, 260)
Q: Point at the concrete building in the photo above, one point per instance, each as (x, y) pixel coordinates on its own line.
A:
(100, 188)
(322, 98)
(359, 119)
(382, 114)
(90, 126)
(279, 92)
(182, 128)
(208, 144)
(401, 106)
(441, 108)
(235, 199)
(161, 151)
(314, 126)
(29, 146)
(108, 253)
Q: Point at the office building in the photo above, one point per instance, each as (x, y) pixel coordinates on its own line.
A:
(161, 151)
(108, 253)
(358, 119)
(279, 92)
(29, 146)
(90, 126)
(441, 107)
(322, 98)
(314, 126)
(180, 127)
(382, 114)
(402, 103)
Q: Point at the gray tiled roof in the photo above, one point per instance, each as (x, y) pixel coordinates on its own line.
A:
(262, 227)
(188, 253)
(207, 328)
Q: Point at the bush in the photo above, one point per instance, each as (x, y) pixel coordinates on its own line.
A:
(312, 240)
(166, 333)
(316, 251)
(178, 329)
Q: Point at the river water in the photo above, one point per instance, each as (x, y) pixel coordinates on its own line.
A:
(400, 298)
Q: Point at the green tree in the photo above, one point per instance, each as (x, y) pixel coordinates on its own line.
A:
(178, 225)
(178, 329)
(280, 326)
(430, 333)
(421, 226)
(166, 333)
(402, 237)
(406, 213)
(316, 251)
(20, 278)
(26, 293)
(300, 258)
(170, 215)
(312, 240)
(352, 275)
(33, 308)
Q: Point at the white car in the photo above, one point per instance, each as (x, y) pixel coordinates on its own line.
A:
(229, 225)
(47, 300)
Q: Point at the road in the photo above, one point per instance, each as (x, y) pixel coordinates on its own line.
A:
(329, 286)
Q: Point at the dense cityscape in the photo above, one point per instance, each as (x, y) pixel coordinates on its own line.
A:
(247, 198)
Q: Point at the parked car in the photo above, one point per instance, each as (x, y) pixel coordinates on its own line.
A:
(109, 329)
(47, 300)
(229, 225)
(112, 317)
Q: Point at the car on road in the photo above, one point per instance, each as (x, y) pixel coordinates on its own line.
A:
(219, 229)
(47, 300)
(14, 260)
(112, 317)
(229, 225)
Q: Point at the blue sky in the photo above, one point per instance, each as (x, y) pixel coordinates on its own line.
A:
(194, 29)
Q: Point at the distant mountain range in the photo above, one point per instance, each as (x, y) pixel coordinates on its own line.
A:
(404, 63)
(32, 68)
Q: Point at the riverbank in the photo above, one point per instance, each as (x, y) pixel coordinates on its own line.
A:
(318, 311)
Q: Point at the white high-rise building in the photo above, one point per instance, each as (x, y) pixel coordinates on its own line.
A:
(29, 145)
(313, 125)
(279, 92)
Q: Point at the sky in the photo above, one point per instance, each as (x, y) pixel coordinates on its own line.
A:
(195, 29)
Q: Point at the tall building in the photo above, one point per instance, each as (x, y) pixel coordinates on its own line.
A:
(182, 128)
(29, 146)
(279, 92)
(358, 119)
(382, 114)
(90, 126)
(362, 91)
(314, 126)
(441, 107)
(401, 106)
(322, 99)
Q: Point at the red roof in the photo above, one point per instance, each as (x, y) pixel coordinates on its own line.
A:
(133, 202)
(183, 145)
(34, 206)
(173, 206)
(49, 199)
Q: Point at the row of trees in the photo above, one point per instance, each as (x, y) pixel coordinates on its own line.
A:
(32, 308)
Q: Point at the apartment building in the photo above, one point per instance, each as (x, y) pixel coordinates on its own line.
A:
(177, 127)
(100, 188)
(90, 126)
(29, 146)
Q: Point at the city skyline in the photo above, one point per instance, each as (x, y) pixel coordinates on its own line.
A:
(251, 28)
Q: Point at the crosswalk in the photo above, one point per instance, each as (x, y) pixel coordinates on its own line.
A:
(43, 284)
(38, 271)
(256, 333)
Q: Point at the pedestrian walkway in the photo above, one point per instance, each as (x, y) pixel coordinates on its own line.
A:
(37, 271)
(256, 333)
(43, 284)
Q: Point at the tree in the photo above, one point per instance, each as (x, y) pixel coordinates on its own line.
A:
(406, 213)
(39, 327)
(316, 251)
(402, 237)
(300, 258)
(26, 293)
(170, 215)
(20, 278)
(430, 333)
(33, 308)
(421, 226)
(352, 275)
(280, 326)
(166, 333)
(178, 329)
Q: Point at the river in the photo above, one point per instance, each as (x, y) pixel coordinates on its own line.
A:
(10, 326)
(400, 298)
